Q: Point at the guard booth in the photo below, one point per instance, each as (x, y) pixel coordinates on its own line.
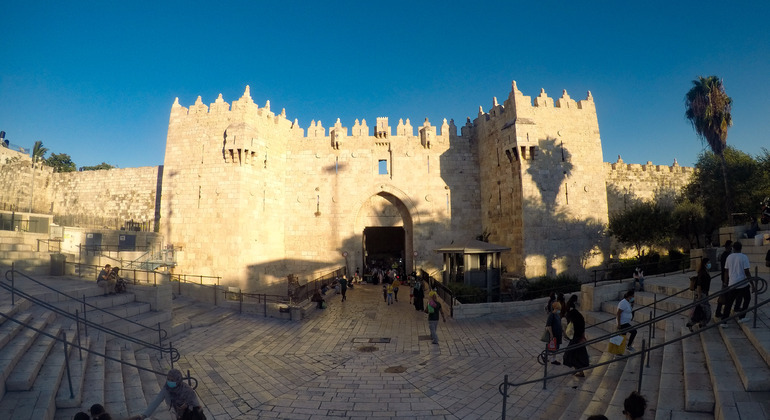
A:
(474, 263)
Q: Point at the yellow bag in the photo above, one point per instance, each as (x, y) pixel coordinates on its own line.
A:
(617, 344)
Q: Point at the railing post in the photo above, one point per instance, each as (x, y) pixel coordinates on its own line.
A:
(650, 333)
(85, 324)
(170, 355)
(160, 341)
(215, 294)
(67, 363)
(594, 278)
(755, 285)
(240, 301)
(641, 369)
(651, 328)
(77, 331)
(654, 310)
(13, 283)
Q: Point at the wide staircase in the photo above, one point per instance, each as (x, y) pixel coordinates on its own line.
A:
(117, 347)
(709, 373)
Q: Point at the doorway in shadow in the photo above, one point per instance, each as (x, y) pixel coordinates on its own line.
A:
(384, 247)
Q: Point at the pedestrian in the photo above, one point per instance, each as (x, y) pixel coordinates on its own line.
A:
(179, 396)
(639, 277)
(318, 299)
(722, 261)
(737, 267)
(634, 406)
(562, 302)
(390, 293)
(703, 283)
(343, 287)
(624, 315)
(99, 413)
(553, 325)
(419, 295)
(433, 309)
(385, 292)
(548, 306)
(396, 284)
(576, 354)
(571, 303)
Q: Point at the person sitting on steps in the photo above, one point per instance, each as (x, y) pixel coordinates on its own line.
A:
(106, 281)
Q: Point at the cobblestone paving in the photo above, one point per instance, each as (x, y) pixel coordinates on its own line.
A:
(365, 359)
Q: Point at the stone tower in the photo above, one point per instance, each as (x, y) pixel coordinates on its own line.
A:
(543, 190)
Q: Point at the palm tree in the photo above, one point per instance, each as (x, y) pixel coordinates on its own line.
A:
(38, 151)
(707, 107)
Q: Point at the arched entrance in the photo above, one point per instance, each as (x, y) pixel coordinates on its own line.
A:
(385, 226)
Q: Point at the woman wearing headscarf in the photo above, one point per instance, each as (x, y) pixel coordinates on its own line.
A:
(179, 396)
(574, 356)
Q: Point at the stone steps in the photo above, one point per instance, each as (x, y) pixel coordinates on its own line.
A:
(698, 392)
(751, 368)
(729, 393)
(24, 374)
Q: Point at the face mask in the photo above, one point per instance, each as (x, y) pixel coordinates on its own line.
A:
(171, 384)
(708, 266)
(558, 311)
(631, 300)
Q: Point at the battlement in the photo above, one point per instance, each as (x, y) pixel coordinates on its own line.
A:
(520, 105)
(220, 109)
(648, 167)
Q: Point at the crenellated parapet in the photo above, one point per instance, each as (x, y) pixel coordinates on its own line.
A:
(632, 182)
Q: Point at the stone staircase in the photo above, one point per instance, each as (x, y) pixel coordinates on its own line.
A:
(721, 373)
(35, 383)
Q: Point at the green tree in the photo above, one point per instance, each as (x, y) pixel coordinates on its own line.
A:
(749, 178)
(97, 167)
(38, 151)
(61, 162)
(689, 220)
(641, 224)
(707, 107)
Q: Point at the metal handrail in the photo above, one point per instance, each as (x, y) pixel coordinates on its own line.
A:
(653, 304)
(173, 353)
(653, 320)
(644, 352)
(81, 348)
(596, 271)
(759, 284)
(11, 271)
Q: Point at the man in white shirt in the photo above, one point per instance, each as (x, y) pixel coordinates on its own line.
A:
(624, 315)
(737, 268)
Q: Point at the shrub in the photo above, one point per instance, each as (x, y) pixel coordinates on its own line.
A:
(543, 286)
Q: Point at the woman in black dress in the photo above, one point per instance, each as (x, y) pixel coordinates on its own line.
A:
(577, 357)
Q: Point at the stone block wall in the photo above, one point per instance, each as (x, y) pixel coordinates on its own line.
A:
(628, 183)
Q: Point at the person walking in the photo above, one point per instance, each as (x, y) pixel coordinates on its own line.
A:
(576, 356)
(390, 293)
(634, 406)
(343, 287)
(737, 267)
(553, 325)
(624, 315)
(179, 396)
(639, 277)
(433, 309)
(419, 295)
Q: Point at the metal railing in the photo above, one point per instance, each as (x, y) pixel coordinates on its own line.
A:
(629, 270)
(758, 284)
(190, 379)
(49, 245)
(79, 318)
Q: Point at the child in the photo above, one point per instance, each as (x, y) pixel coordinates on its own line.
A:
(390, 293)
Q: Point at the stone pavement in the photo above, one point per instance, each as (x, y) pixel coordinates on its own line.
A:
(363, 359)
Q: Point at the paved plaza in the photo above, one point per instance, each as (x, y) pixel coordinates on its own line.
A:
(363, 359)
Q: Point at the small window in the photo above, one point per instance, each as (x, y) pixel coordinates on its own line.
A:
(383, 167)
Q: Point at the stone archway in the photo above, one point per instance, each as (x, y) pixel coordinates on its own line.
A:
(385, 210)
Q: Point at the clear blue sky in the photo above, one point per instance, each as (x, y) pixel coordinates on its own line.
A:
(96, 79)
